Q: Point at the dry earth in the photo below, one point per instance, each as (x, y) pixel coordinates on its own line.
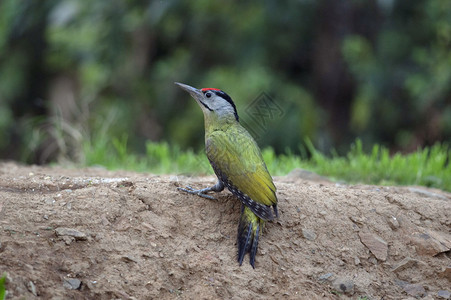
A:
(96, 234)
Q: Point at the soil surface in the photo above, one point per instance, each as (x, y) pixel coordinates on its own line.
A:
(97, 234)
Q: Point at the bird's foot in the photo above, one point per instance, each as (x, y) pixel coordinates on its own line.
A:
(201, 192)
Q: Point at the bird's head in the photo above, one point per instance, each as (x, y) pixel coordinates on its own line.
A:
(213, 102)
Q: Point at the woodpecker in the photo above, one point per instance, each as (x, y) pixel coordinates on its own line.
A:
(237, 162)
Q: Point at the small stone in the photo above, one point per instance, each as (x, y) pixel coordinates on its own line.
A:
(444, 294)
(344, 285)
(161, 254)
(306, 175)
(72, 283)
(309, 234)
(49, 201)
(129, 258)
(357, 220)
(32, 288)
(446, 273)
(78, 235)
(376, 245)
(393, 222)
(401, 283)
(405, 264)
(68, 239)
(356, 261)
(426, 193)
(414, 290)
(325, 277)
(431, 243)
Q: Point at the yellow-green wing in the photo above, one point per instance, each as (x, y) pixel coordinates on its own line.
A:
(237, 161)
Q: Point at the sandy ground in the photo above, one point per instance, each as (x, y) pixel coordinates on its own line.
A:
(96, 234)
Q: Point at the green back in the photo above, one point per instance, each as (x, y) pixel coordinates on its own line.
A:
(237, 156)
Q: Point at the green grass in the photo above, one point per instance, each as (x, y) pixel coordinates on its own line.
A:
(3, 287)
(428, 167)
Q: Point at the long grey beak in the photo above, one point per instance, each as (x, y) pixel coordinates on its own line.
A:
(195, 93)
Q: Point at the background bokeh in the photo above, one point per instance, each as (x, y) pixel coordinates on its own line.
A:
(73, 73)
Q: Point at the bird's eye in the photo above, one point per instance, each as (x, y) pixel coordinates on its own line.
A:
(208, 95)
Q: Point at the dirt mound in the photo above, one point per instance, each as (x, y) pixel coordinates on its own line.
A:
(96, 234)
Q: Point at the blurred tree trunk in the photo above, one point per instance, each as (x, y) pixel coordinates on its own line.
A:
(27, 40)
(334, 86)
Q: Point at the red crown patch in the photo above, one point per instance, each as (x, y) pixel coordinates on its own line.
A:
(209, 89)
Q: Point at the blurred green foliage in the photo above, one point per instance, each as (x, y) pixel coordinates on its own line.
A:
(74, 72)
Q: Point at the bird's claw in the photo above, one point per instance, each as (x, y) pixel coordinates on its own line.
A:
(199, 193)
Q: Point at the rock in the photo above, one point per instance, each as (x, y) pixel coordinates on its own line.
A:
(401, 283)
(344, 285)
(377, 246)
(49, 201)
(357, 220)
(415, 290)
(393, 222)
(356, 261)
(129, 258)
(67, 239)
(444, 294)
(431, 243)
(72, 283)
(32, 288)
(78, 235)
(304, 174)
(309, 234)
(426, 193)
(446, 273)
(325, 277)
(405, 264)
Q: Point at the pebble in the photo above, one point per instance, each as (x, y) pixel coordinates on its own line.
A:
(78, 235)
(49, 201)
(32, 288)
(129, 258)
(393, 222)
(326, 276)
(405, 264)
(431, 243)
(356, 261)
(72, 283)
(306, 175)
(376, 245)
(426, 193)
(444, 294)
(415, 290)
(344, 285)
(446, 273)
(309, 234)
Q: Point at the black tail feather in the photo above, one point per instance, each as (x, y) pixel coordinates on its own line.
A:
(244, 243)
(253, 250)
(248, 233)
